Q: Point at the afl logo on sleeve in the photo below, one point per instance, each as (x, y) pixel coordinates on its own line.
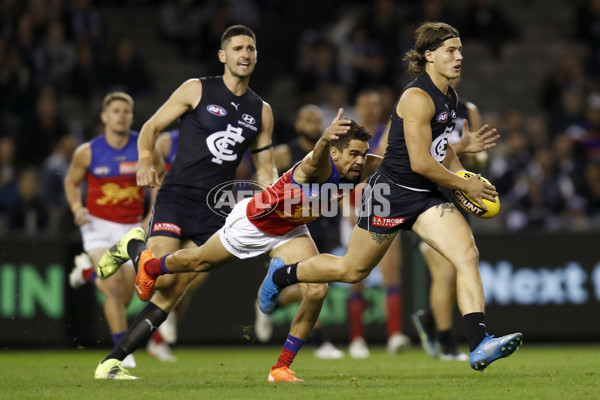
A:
(219, 142)
(216, 110)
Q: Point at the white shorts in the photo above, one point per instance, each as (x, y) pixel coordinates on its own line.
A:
(244, 240)
(100, 233)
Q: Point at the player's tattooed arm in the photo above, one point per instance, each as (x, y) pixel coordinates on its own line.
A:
(380, 237)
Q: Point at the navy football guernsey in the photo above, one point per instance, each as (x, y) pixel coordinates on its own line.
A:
(396, 163)
(214, 136)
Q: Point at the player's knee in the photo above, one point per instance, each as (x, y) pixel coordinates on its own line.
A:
(356, 274)
(317, 291)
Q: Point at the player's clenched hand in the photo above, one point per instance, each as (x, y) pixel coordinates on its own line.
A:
(80, 216)
(337, 127)
(146, 174)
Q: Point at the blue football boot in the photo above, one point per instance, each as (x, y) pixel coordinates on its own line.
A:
(490, 349)
(268, 294)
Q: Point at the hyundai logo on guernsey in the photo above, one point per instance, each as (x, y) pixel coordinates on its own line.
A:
(216, 110)
(442, 117)
(249, 119)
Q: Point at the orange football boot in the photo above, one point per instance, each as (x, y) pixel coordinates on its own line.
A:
(144, 283)
(283, 374)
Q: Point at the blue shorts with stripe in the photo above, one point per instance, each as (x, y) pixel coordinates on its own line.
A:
(387, 207)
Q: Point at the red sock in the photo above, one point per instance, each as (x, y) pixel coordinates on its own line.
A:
(394, 310)
(356, 306)
(157, 337)
(285, 359)
(153, 267)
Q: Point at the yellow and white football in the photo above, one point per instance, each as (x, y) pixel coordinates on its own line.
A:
(472, 207)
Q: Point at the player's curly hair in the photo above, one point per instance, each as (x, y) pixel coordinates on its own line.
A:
(428, 36)
(356, 132)
(236, 30)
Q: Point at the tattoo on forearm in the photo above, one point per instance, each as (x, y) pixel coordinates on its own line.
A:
(379, 237)
(445, 207)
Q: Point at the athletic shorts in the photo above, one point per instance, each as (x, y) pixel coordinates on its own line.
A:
(244, 240)
(100, 233)
(387, 207)
(183, 214)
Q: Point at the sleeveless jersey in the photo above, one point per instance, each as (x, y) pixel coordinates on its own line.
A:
(286, 204)
(112, 190)
(174, 134)
(462, 113)
(214, 136)
(396, 163)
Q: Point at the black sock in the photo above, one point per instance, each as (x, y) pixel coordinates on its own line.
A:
(285, 276)
(319, 336)
(134, 249)
(429, 323)
(476, 329)
(142, 328)
(448, 342)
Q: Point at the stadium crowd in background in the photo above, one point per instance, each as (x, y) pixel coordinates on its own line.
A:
(59, 58)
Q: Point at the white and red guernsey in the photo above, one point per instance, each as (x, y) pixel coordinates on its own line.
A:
(286, 204)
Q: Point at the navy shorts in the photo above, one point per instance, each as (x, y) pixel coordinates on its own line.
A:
(387, 207)
(183, 214)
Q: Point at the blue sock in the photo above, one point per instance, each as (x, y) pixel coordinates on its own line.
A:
(163, 265)
(116, 337)
(293, 344)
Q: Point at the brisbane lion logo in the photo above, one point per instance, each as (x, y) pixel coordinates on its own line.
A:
(113, 194)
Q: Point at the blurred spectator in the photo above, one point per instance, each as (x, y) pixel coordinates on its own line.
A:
(587, 21)
(216, 21)
(368, 110)
(384, 23)
(565, 74)
(318, 69)
(506, 165)
(37, 14)
(126, 70)
(28, 213)
(85, 77)
(8, 172)
(592, 193)
(15, 80)
(334, 96)
(55, 169)
(181, 22)
(487, 22)
(570, 112)
(54, 58)
(41, 133)
(84, 23)
(587, 134)
(438, 10)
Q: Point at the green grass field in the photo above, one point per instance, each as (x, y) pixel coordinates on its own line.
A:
(533, 372)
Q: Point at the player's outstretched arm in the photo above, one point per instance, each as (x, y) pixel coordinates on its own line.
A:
(316, 166)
